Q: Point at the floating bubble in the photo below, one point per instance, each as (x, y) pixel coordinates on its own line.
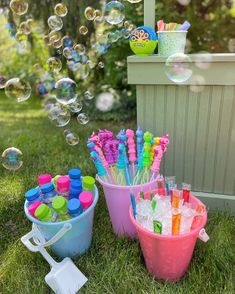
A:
(57, 44)
(67, 52)
(55, 64)
(67, 41)
(20, 37)
(54, 36)
(19, 7)
(49, 103)
(2, 81)
(71, 138)
(126, 33)
(89, 13)
(55, 23)
(101, 64)
(18, 89)
(61, 9)
(184, 2)
(91, 64)
(84, 71)
(76, 106)
(75, 56)
(12, 158)
(59, 115)
(134, 1)
(105, 101)
(114, 37)
(80, 49)
(114, 12)
(102, 39)
(25, 28)
(188, 46)
(98, 15)
(203, 60)
(231, 45)
(178, 68)
(198, 83)
(83, 30)
(89, 95)
(83, 118)
(66, 91)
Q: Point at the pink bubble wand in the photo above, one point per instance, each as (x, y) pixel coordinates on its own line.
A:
(131, 150)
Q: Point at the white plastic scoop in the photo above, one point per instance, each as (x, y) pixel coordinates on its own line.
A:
(64, 277)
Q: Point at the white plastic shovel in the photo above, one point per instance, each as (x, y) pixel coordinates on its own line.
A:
(64, 277)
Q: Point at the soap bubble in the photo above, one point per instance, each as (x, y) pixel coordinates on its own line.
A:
(67, 52)
(83, 118)
(25, 28)
(84, 71)
(198, 83)
(76, 106)
(89, 95)
(66, 91)
(55, 23)
(71, 138)
(101, 65)
(49, 103)
(59, 115)
(2, 81)
(54, 36)
(91, 64)
(105, 101)
(75, 56)
(134, 1)
(19, 7)
(18, 89)
(231, 45)
(83, 30)
(12, 158)
(61, 9)
(57, 44)
(89, 13)
(203, 60)
(54, 64)
(80, 49)
(98, 15)
(67, 41)
(114, 36)
(20, 37)
(114, 12)
(184, 2)
(178, 68)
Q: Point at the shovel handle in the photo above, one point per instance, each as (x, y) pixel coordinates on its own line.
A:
(39, 239)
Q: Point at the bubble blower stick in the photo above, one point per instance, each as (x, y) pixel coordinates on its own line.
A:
(185, 26)
(146, 157)
(120, 179)
(122, 140)
(156, 142)
(155, 168)
(131, 150)
(161, 25)
(111, 151)
(133, 204)
(139, 136)
(102, 173)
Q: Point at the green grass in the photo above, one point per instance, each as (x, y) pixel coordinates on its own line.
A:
(112, 265)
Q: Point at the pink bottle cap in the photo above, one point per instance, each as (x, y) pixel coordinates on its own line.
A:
(32, 208)
(86, 199)
(63, 184)
(44, 179)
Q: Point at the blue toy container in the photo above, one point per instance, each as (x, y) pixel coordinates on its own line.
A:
(77, 240)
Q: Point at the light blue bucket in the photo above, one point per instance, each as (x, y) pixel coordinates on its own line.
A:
(77, 240)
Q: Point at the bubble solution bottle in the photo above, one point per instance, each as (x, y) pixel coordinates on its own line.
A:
(74, 207)
(75, 189)
(33, 195)
(44, 179)
(86, 199)
(48, 193)
(88, 183)
(59, 204)
(63, 185)
(45, 214)
(75, 174)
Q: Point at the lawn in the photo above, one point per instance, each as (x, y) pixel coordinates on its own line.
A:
(112, 265)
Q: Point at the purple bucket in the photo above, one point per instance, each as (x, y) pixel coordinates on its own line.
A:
(118, 202)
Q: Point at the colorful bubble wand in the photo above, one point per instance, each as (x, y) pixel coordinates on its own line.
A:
(139, 140)
(131, 150)
(146, 157)
(120, 179)
(122, 138)
(102, 173)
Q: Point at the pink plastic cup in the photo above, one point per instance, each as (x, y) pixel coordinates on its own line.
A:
(44, 179)
(118, 203)
(168, 257)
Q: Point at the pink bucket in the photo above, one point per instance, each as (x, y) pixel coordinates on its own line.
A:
(118, 202)
(168, 257)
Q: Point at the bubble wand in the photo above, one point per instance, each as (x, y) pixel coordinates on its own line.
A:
(139, 140)
(155, 168)
(131, 150)
(120, 179)
(146, 157)
(156, 142)
(122, 138)
(102, 173)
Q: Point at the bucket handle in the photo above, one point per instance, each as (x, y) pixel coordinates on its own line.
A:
(39, 239)
(203, 235)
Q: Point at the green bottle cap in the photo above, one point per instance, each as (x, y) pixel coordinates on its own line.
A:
(157, 227)
(59, 204)
(88, 183)
(42, 211)
(55, 180)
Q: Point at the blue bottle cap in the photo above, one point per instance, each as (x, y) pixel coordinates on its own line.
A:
(47, 188)
(74, 207)
(32, 194)
(75, 173)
